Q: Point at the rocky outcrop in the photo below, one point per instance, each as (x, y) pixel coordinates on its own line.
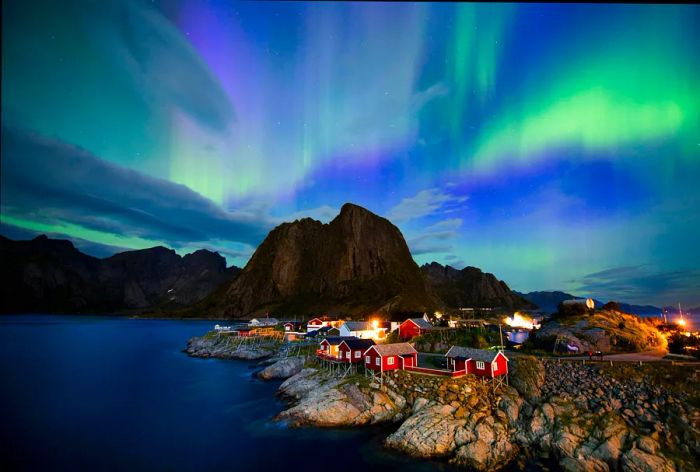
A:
(327, 402)
(283, 369)
(527, 376)
(471, 287)
(358, 263)
(221, 347)
(605, 331)
(50, 275)
(575, 414)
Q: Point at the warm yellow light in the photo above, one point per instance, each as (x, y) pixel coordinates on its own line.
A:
(375, 324)
(681, 322)
(519, 321)
(438, 315)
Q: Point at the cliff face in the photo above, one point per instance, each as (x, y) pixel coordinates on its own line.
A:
(470, 287)
(53, 276)
(357, 263)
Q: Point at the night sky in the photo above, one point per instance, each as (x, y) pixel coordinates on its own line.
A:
(557, 146)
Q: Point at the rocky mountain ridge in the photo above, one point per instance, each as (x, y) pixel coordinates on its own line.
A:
(49, 275)
(357, 263)
(471, 287)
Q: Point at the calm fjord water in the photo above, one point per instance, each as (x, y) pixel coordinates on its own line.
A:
(109, 393)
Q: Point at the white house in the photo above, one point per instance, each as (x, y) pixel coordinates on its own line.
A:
(362, 330)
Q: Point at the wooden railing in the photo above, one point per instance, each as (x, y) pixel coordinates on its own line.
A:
(322, 355)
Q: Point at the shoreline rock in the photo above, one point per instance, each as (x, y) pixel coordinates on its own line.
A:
(219, 347)
(576, 415)
(283, 368)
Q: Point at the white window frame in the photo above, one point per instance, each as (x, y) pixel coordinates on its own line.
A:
(480, 365)
(357, 354)
(494, 366)
(378, 361)
(390, 360)
(347, 354)
(368, 360)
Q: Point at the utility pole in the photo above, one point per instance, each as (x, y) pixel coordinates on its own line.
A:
(500, 331)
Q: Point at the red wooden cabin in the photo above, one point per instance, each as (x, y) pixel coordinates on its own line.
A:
(351, 350)
(413, 327)
(480, 362)
(329, 346)
(384, 357)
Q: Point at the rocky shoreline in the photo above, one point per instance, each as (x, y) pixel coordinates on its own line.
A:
(576, 415)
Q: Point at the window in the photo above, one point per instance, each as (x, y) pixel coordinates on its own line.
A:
(368, 360)
(390, 361)
(357, 354)
(480, 365)
(378, 360)
(495, 366)
(347, 355)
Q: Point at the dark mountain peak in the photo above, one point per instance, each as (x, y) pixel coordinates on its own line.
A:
(352, 209)
(56, 244)
(356, 263)
(471, 287)
(204, 257)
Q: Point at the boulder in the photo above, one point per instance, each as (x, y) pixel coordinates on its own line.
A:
(282, 369)
(636, 460)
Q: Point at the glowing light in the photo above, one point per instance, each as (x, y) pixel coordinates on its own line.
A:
(520, 321)
(375, 324)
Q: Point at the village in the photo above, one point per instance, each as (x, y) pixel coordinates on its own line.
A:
(377, 347)
(452, 345)
(465, 390)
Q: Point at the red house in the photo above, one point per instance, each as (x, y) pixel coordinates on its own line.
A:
(477, 361)
(384, 357)
(292, 326)
(413, 327)
(351, 350)
(329, 346)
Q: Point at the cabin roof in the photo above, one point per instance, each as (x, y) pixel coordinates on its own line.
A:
(474, 354)
(335, 340)
(358, 344)
(358, 325)
(420, 322)
(395, 349)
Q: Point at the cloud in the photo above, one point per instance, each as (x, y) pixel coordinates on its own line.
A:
(642, 284)
(424, 203)
(50, 182)
(159, 60)
(435, 238)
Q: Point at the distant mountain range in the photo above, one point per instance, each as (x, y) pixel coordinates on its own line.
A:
(357, 264)
(51, 275)
(547, 301)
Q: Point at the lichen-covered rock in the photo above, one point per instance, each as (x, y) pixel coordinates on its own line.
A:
(527, 375)
(335, 404)
(283, 368)
(429, 433)
(636, 460)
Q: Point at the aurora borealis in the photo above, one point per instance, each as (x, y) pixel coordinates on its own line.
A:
(557, 146)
